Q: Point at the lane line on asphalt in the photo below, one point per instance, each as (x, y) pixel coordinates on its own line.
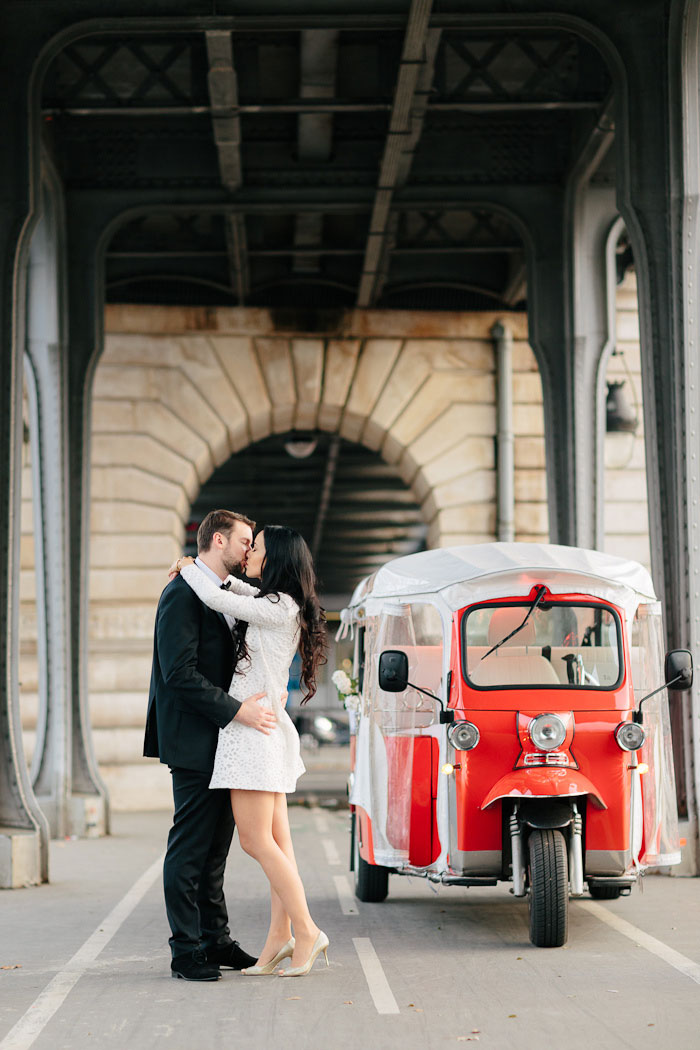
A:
(348, 905)
(320, 820)
(32, 1023)
(331, 851)
(379, 989)
(679, 962)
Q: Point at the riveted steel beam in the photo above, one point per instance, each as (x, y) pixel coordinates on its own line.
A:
(223, 94)
(272, 253)
(226, 124)
(236, 244)
(310, 107)
(132, 203)
(319, 56)
(405, 126)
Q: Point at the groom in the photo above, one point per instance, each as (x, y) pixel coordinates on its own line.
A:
(194, 657)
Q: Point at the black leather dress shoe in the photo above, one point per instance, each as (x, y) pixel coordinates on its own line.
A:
(194, 966)
(231, 955)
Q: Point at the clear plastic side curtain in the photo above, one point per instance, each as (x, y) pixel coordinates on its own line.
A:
(390, 728)
(389, 743)
(661, 844)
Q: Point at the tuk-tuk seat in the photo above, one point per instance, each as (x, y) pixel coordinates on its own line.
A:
(510, 665)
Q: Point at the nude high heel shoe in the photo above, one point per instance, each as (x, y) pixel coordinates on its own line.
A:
(320, 945)
(285, 952)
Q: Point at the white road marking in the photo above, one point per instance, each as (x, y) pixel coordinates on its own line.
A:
(348, 904)
(34, 1020)
(330, 851)
(379, 989)
(320, 820)
(679, 962)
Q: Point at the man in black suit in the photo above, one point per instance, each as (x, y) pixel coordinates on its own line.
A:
(194, 658)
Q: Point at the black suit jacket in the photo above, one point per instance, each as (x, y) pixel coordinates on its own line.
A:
(193, 662)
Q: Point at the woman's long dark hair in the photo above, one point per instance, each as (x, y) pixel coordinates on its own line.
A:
(289, 569)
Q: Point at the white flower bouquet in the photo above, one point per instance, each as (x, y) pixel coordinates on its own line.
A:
(347, 687)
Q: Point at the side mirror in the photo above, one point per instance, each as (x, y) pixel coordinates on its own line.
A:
(678, 670)
(393, 671)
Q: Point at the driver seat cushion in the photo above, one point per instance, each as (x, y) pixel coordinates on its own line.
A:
(514, 668)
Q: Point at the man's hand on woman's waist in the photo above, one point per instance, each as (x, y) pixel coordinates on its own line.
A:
(252, 713)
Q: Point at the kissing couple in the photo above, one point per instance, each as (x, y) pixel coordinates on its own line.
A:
(216, 717)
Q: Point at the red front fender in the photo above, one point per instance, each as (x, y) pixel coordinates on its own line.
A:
(543, 783)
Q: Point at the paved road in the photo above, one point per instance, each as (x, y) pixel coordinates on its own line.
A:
(85, 961)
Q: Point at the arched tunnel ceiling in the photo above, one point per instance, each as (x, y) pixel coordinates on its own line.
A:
(352, 508)
(319, 160)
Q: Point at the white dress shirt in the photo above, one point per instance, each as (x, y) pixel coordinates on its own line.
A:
(230, 620)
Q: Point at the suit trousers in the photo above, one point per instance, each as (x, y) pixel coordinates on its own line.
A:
(193, 871)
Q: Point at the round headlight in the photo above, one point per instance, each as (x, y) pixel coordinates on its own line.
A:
(630, 736)
(463, 736)
(547, 732)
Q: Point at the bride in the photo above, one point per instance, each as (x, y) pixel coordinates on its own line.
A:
(283, 615)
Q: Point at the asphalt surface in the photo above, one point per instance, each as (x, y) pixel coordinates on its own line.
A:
(85, 961)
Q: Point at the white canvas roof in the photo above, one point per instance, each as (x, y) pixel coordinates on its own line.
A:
(462, 575)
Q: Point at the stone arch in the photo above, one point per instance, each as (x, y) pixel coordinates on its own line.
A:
(172, 402)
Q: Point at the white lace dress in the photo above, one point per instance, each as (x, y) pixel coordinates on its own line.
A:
(245, 757)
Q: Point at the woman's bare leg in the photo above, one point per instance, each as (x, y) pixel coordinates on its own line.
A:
(254, 812)
(280, 924)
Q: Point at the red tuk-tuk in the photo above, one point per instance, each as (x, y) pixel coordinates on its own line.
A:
(513, 725)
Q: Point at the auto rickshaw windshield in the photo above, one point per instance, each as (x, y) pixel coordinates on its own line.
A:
(563, 644)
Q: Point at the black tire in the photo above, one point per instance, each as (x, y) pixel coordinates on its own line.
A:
(549, 888)
(604, 893)
(371, 881)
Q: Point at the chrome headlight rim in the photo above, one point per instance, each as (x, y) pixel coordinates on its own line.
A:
(627, 729)
(454, 731)
(536, 732)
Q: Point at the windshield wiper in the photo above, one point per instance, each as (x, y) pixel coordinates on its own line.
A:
(541, 591)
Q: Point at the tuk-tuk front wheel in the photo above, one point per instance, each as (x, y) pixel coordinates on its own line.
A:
(371, 881)
(549, 888)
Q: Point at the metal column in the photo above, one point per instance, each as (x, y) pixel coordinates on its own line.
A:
(70, 808)
(23, 828)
